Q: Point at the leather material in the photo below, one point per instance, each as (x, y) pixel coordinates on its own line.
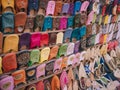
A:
(6, 82)
(57, 65)
(7, 3)
(55, 83)
(53, 52)
(53, 38)
(38, 22)
(76, 48)
(77, 7)
(0, 22)
(71, 9)
(8, 21)
(31, 73)
(40, 71)
(63, 23)
(65, 8)
(21, 4)
(56, 23)
(20, 22)
(67, 34)
(35, 40)
(44, 55)
(29, 23)
(75, 34)
(23, 58)
(70, 22)
(34, 56)
(9, 62)
(58, 8)
(9, 45)
(48, 23)
(33, 4)
(40, 85)
(50, 8)
(43, 4)
(59, 39)
(19, 77)
(24, 42)
(62, 50)
(44, 39)
(49, 68)
(77, 20)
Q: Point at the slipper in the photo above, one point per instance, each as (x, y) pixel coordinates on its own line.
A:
(35, 40)
(71, 9)
(114, 10)
(56, 23)
(63, 23)
(82, 44)
(76, 60)
(89, 30)
(30, 73)
(40, 85)
(64, 63)
(7, 22)
(34, 56)
(76, 47)
(47, 85)
(53, 52)
(8, 4)
(67, 35)
(84, 6)
(70, 49)
(55, 83)
(58, 8)
(33, 5)
(90, 17)
(23, 58)
(48, 23)
(21, 79)
(70, 60)
(62, 50)
(9, 62)
(70, 22)
(52, 38)
(70, 78)
(49, 68)
(24, 42)
(6, 82)
(75, 35)
(63, 80)
(77, 7)
(29, 23)
(40, 71)
(59, 38)
(20, 23)
(9, 45)
(82, 31)
(43, 4)
(44, 55)
(76, 20)
(21, 5)
(44, 39)
(57, 65)
(50, 8)
(38, 22)
(65, 8)
(83, 18)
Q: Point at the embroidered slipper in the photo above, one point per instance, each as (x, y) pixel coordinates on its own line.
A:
(40, 71)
